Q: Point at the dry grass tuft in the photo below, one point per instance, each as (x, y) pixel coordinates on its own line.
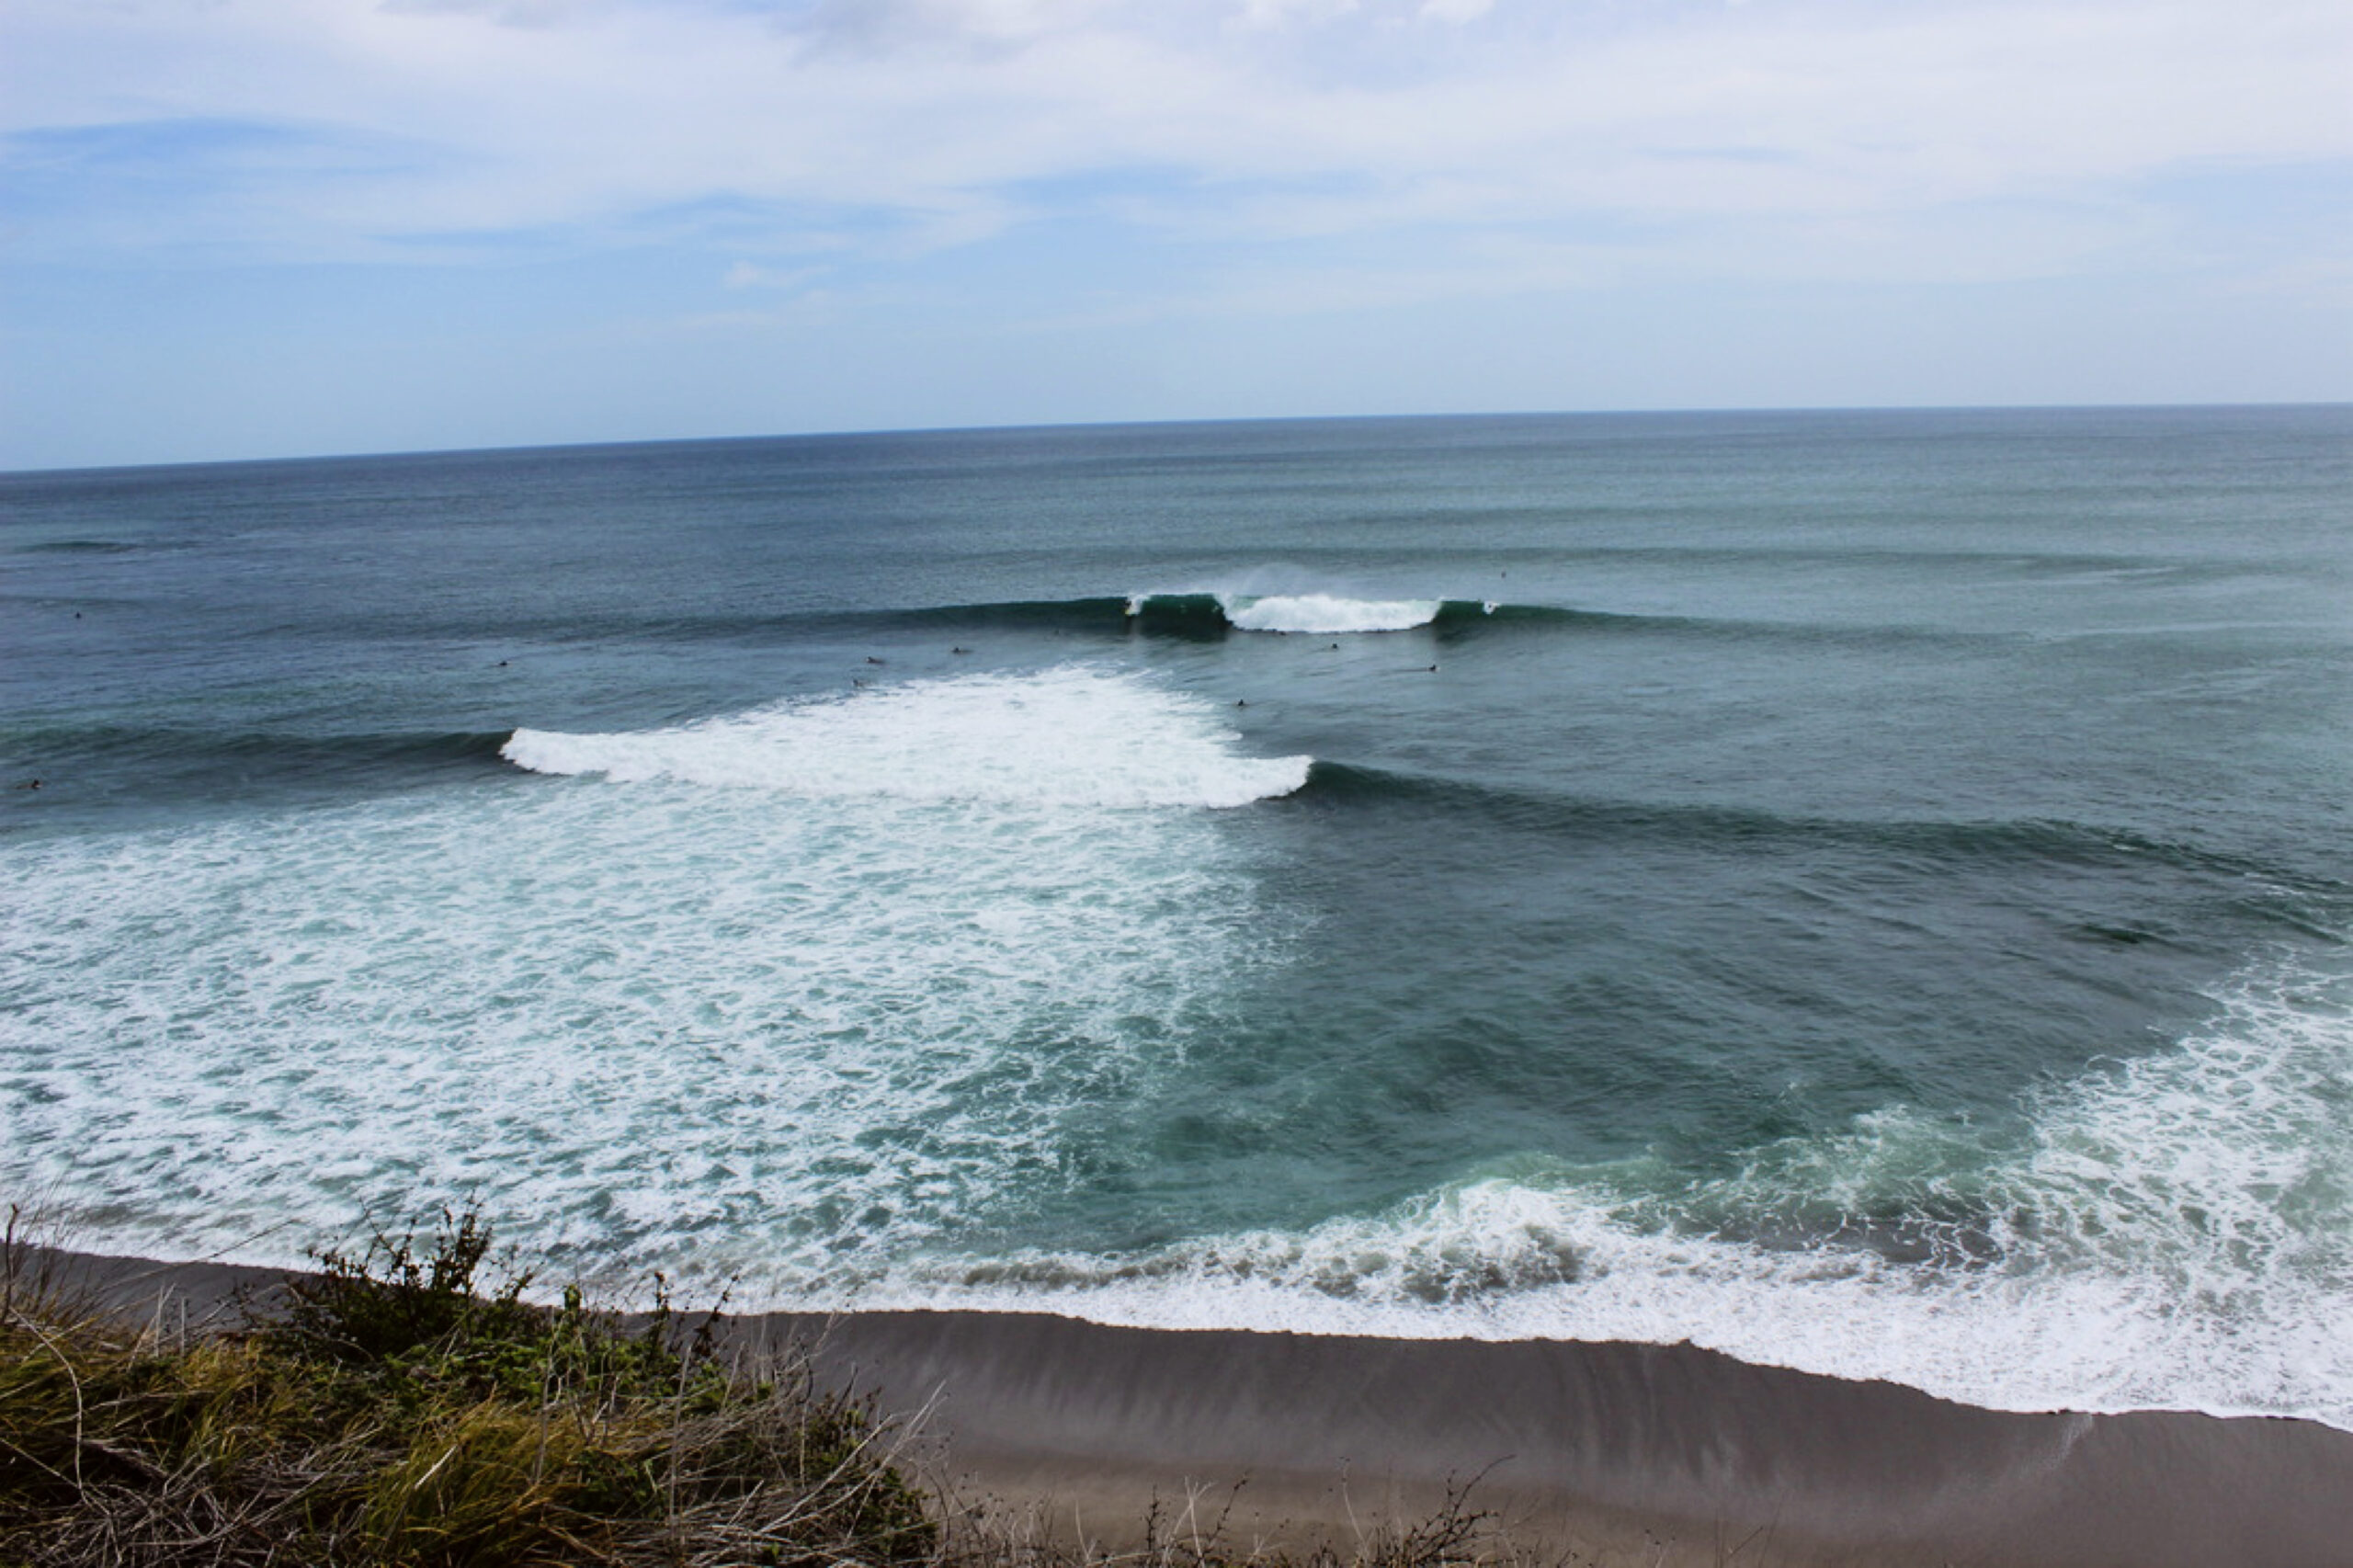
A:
(395, 1412)
(402, 1407)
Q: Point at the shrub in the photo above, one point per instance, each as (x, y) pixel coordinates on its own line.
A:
(393, 1408)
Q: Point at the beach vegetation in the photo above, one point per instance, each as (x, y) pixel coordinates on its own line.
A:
(407, 1405)
(399, 1406)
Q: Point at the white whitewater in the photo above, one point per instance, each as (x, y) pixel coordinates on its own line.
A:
(1324, 614)
(2171, 1232)
(1064, 737)
(820, 980)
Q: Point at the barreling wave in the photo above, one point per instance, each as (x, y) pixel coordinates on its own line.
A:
(1069, 736)
(1322, 614)
(1212, 616)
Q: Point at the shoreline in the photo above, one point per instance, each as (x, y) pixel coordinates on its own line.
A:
(1619, 1453)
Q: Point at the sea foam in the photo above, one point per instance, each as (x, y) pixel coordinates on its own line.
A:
(809, 1049)
(2176, 1231)
(1323, 613)
(1316, 614)
(824, 1016)
(810, 1044)
(1070, 736)
(826, 985)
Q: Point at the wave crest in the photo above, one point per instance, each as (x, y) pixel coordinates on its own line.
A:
(1067, 737)
(1328, 613)
(1314, 614)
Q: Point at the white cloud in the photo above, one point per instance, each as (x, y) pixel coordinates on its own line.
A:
(1272, 119)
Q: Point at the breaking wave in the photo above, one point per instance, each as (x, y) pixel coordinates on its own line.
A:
(1068, 738)
(2176, 1231)
(1319, 613)
(642, 1023)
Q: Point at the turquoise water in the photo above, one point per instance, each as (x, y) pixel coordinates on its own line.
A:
(1866, 892)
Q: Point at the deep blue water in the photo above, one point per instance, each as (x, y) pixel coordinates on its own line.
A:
(1868, 891)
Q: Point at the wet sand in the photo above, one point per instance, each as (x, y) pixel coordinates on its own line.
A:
(1611, 1453)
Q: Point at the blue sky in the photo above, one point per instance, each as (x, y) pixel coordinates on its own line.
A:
(245, 228)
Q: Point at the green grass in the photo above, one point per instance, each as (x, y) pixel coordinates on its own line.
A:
(398, 1407)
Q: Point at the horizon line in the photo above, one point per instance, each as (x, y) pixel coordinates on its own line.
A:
(884, 432)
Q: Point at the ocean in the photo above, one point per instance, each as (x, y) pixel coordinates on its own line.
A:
(1865, 892)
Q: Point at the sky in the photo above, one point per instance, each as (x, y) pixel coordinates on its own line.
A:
(261, 228)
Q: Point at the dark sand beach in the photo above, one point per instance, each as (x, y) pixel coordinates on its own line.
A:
(1609, 1453)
